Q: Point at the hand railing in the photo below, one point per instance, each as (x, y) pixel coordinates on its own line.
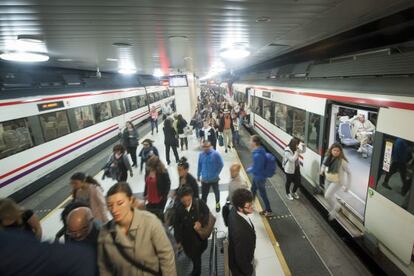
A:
(213, 254)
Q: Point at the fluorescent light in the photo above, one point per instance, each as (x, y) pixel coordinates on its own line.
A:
(111, 59)
(237, 52)
(127, 71)
(24, 57)
(30, 38)
(158, 73)
(64, 59)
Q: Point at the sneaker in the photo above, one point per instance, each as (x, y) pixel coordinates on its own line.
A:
(359, 149)
(295, 195)
(218, 208)
(266, 213)
(225, 151)
(289, 196)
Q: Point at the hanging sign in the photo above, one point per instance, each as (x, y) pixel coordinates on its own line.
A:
(386, 164)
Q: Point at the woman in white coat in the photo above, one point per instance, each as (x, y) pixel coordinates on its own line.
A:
(292, 168)
(337, 174)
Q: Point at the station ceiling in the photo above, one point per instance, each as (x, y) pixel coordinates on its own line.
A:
(185, 34)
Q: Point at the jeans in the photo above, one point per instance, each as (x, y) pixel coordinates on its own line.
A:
(167, 153)
(184, 141)
(205, 189)
(154, 124)
(332, 189)
(133, 152)
(260, 184)
(236, 138)
(228, 138)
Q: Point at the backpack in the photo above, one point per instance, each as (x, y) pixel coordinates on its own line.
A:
(270, 165)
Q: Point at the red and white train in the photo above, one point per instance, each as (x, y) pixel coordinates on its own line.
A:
(41, 135)
(312, 110)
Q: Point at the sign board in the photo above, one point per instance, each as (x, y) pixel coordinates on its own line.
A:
(386, 164)
(178, 81)
(49, 106)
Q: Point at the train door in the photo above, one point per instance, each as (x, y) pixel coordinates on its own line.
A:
(354, 128)
(248, 105)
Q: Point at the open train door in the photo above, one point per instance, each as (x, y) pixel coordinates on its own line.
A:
(250, 93)
(341, 127)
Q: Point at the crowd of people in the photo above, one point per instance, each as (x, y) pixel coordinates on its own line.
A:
(137, 240)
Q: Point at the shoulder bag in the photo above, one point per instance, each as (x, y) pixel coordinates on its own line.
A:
(205, 231)
(133, 261)
(331, 177)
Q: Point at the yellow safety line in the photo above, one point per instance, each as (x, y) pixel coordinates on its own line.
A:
(55, 209)
(269, 231)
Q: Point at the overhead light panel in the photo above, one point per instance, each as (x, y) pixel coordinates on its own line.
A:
(127, 71)
(30, 38)
(121, 44)
(235, 52)
(111, 59)
(263, 19)
(64, 59)
(24, 57)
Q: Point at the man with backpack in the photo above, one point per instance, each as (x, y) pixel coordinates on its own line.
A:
(264, 166)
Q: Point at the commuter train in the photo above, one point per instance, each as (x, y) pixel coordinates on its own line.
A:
(379, 207)
(41, 135)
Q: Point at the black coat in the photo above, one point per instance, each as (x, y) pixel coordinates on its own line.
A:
(170, 137)
(184, 232)
(211, 137)
(163, 184)
(221, 127)
(242, 243)
(128, 141)
(181, 124)
(192, 182)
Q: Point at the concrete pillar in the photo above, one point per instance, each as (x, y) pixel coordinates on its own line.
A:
(186, 98)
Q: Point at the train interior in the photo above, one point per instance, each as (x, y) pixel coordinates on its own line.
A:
(357, 149)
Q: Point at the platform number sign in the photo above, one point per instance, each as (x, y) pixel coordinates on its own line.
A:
(387, 156)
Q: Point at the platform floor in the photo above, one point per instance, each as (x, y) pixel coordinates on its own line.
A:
(267, 260)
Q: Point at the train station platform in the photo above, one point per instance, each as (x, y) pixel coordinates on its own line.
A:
(269, 259)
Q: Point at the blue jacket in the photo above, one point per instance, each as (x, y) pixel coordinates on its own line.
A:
(210, 165)
(259, 162)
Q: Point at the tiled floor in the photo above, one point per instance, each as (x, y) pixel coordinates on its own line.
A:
(267, 262)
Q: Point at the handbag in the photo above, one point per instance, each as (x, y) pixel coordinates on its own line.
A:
(133, 261)
(205, 232)
(225, 212)
(188, 131)
(220, 140)
(332, 177)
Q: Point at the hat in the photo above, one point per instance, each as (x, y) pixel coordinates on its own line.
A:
(147, 141)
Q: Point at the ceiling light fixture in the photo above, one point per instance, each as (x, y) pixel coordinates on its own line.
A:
(263, 19)
(127, 71)
(235, 52)
(178, 37)
(158, 73)
(111, 59)
(30, 38)
(24, 57)
(64, 59)
(121, 44)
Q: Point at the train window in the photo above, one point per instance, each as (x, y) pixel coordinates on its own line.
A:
(396, 171)
(269, 111)
(54, 125)
(150, 98)
(314, 122)
(133, 103)
(281, 114)
(118, 107)
(258, 106)
(296, 122)
(14, 137)
(102, 111)
(142, 101)
(165, 94)
(84, 116)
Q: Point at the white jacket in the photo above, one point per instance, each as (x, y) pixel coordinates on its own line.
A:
(343, 169)
(290, 159)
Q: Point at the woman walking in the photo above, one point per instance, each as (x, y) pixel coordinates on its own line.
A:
(130, 141)
(334, 167)
(291, 167)
(119, 165)
(87, 190)
(134, 242)
(157, 186)
(181, 125)
(170, 140)
(148, 150)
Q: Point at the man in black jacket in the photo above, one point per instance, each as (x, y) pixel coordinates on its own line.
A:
(191, 215)
(242, 236)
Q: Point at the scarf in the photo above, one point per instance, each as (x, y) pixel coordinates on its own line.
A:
(332, 164)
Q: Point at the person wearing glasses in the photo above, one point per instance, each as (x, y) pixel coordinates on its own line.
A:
(242, 235)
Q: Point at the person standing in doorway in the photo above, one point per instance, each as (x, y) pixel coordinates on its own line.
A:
(292, 168)
(258, 171)
(130, 141)
(210, 164)
(242, 236)
(334, 167)
(154, 119)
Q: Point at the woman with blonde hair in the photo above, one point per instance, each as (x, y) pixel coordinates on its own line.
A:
(334, 167)
(13, 217)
